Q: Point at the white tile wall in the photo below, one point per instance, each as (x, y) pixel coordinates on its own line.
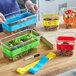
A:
(71, 3)
(52, 6)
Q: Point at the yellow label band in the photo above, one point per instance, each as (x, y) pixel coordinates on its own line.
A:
(26, 68)
(51, 23)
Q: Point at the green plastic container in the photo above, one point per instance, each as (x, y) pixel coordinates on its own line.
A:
(20, 44)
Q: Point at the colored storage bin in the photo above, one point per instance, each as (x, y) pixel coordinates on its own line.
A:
(20, 44)
(65, 44)
(18, 21)
(69, 18)
(51, 22)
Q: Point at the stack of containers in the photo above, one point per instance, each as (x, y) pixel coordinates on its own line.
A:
(23, 39)
(65, 42)
(18, 21)
(51, 22)
(68, 18)
(20, 44)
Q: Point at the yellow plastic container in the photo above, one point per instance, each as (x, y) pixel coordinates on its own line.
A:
(51, 22)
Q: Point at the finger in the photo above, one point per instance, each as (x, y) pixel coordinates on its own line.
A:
(32, 9)
(3, 18)
(35, 7)
(1, 21)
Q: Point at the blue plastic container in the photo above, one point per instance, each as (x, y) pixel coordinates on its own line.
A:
(19, 20)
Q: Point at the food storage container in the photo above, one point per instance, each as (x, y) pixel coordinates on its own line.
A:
(68, 18)
(20, 44)
(18, 21)
(65, 44)
(51, 22)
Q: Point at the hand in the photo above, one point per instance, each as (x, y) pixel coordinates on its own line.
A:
(2, 18)
(31, 6)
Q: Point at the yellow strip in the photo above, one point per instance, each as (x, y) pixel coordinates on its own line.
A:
(51, 23)
(26, 68)
(51, 55)
(55, 15)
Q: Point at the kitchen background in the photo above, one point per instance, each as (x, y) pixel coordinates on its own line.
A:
(50, 6)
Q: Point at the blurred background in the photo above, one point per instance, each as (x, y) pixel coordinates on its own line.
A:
(50, 6)
(21, 3)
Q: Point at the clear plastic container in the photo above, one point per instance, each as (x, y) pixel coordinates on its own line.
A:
(18, 21)
(51, 22)
(65, 42)
(68, 18)
(20, 44)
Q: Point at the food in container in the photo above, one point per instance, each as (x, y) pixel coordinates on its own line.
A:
(69, 18)
(65, 43)
(20, 44)
(51, 22)
(18, 21)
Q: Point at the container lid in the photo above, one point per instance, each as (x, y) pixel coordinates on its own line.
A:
(66, 38)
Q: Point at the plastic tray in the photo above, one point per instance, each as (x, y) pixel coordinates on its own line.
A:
(19, 20)
(18, 45)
